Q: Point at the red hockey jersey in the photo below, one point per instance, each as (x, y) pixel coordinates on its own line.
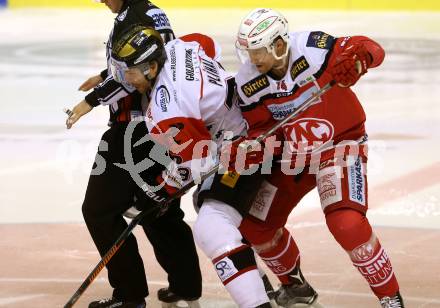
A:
(335, 117)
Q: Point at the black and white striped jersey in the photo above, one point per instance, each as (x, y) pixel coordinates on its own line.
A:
(125, 102)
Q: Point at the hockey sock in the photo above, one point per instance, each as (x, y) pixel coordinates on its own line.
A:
(353, 232)
(281, 255)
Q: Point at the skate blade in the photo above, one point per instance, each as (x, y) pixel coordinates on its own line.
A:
(182, 304)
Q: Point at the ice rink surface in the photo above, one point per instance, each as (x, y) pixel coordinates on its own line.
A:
(46, 54)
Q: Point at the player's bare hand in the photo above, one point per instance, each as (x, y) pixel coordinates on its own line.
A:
(77, 112)
(137, 79)
(90, 83)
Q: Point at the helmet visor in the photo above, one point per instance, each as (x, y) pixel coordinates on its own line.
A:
(254, 56)
(119, 68)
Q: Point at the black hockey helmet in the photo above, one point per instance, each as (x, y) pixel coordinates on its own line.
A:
(138, 46)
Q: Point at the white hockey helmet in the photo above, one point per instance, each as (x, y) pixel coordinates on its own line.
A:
(259, 29)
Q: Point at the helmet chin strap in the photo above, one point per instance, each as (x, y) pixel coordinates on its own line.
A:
(283, 57)
(147, 76)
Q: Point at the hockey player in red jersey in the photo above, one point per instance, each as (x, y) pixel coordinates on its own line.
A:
(324, 146)
(191, 110)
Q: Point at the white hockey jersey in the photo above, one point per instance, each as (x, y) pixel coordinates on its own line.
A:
(194, 95)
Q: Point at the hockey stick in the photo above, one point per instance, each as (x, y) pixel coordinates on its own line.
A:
(304, 106)
(164, 204)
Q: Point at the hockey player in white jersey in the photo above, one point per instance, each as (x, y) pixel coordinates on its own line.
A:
(111, 190)
(191, 111)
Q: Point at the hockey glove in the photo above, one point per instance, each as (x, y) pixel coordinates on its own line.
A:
(350, 65)
(249, 151)
(246, 150)
(146, 200)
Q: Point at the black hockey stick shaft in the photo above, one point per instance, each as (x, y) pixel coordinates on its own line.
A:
(136, 220)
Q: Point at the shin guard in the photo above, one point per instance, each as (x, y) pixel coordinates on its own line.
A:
(373, 263)
(353, 232)
(281, 255)
(237, 269)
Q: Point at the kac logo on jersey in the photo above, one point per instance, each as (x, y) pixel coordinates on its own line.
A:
(308, 134)
(255, 85)
(162, 98)
(298, 67)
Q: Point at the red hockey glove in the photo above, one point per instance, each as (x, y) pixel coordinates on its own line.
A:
(252, 150)
(350, 65)
(249, 151)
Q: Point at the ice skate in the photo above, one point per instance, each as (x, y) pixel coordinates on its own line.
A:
(392, 302)
(171, 300)
(114, 302)
(290, 295)
(270, 291)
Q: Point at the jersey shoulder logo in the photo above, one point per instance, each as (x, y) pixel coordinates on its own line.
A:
(160, 19)
(255, 85)
(162, 98)
(319, 39)
(299, 66)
